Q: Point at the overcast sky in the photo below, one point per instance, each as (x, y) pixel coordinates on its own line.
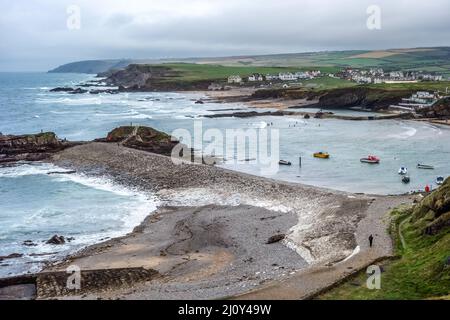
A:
(34, 34)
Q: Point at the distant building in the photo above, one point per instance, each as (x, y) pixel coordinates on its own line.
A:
(287, 76)
(419, 100)
(255, 77)
(270, 77)
(234, 79)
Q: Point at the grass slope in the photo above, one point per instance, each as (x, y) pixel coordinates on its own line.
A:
(422, 270)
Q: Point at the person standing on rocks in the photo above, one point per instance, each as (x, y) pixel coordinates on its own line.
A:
(371, 241)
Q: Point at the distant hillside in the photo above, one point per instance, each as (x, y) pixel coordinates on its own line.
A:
(425, 59)
(96, 66)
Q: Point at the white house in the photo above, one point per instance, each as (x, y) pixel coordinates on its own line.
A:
(234, 79)
(270, 77)
(255, 77)
(287, 76)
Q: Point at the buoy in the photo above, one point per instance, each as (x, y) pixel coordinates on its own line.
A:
(427, 188)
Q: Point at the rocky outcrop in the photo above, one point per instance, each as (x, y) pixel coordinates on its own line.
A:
(141, 78)
(441, 109)
(374, 99)
(142, 138)
(56, 240)
(32, 147)
(432, 214)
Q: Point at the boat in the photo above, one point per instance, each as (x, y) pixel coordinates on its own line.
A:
(403, 171)
(322, 155)
(424, 166)
(406, 179)
(440, 181)
(285, 163)
(371, 160)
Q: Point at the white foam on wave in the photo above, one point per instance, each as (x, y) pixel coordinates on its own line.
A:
(72, 101)
(131, 210)
(407, 132)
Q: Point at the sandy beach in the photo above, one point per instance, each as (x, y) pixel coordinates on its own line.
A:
(213, 234)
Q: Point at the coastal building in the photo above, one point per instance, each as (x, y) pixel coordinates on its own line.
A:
(255, 77)
(419, 100)
(287, 76)
(271, 77)
(234, 79)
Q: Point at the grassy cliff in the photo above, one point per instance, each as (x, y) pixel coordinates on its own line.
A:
(422, 243)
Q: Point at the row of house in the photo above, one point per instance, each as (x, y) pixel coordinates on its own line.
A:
(283, 76)
(377, 75)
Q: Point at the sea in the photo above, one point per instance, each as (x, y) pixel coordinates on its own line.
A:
(34, 205)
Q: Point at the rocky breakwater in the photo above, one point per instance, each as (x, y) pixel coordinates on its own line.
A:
(30, 147)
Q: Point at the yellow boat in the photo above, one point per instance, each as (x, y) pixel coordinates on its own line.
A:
(321, 155)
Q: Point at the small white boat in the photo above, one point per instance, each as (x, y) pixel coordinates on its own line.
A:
(285, 163)
(424, 166)
(440, 181)
(403, 171)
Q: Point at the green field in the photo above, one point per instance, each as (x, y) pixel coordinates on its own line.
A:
(430, 60)
(430, 86)
(196, 72)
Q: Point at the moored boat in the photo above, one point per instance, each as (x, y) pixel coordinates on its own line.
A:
(322, 155)
(371, 160)
(406, 179)
(403, 171)
(440, 181)
(424, 166)
(285, 163)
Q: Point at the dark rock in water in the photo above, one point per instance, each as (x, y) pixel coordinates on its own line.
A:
(276, 238)
(307, 116)
(11, 256)
(62, 172)
(199, 102)
(29, 243)
(78, 91)
(31, 147)
(319, 115)
(106, 91)
(246, 114)
(62, 89)
(56, 240)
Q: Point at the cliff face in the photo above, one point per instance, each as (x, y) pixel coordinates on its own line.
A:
(440, 109)
(432, 215)
(151, 78)
(340, 98)
(363, 97)
(33, 147)
(139, 76)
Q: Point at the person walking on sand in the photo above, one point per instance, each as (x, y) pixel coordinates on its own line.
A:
(371, 241)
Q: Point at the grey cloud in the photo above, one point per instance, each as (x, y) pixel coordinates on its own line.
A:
(34, 35)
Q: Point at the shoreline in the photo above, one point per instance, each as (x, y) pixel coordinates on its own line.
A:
(326, 241)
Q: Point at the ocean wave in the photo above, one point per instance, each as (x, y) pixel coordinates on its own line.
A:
(122, 215)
